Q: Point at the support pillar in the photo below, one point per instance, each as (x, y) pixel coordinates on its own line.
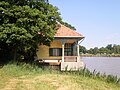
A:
(78, 53)
(62, 52)
(63, 43)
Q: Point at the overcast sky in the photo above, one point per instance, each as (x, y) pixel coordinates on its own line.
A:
(97, 20)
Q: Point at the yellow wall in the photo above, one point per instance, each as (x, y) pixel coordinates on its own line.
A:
(43, 51)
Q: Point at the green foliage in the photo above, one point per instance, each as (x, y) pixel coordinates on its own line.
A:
(109, 50)
(82, 49)
(24, 76)
(20, 77)
(19, 69)
(68, 25)
(95, 75)
(111, 78)
(20, 22)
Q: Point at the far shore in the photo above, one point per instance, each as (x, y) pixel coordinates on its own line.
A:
(100, 55)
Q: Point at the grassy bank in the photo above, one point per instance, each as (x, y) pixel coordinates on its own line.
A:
(25, 77)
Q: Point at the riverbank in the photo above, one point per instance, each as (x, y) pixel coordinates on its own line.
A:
(29, 78)
(100, 55)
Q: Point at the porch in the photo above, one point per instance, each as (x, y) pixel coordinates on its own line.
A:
(70, 63)
(53, 61)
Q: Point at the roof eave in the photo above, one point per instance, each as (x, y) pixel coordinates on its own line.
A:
(69, 36)
(77, 37)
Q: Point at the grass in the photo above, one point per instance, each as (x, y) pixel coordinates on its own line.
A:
(26, 77)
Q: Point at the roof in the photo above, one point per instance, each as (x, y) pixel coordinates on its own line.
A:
(64, 31)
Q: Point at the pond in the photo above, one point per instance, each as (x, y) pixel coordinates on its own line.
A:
(108, 65)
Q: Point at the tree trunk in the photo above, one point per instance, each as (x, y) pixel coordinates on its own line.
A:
(15, 55)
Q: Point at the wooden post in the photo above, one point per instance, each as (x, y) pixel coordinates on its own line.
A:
(62, 52)
(78, 53)
(63, 43)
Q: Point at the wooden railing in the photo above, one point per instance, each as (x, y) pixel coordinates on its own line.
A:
(70, 58)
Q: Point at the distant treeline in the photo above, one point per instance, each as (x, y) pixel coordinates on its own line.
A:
(110, 49)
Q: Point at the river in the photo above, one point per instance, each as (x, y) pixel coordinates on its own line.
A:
(108, 65)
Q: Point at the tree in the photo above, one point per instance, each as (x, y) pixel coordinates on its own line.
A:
(90, 51)
(109, 46)
(83, 49)
(95, 50)
(116, 49)
(20, 22)
(109, 49)
(68, 25)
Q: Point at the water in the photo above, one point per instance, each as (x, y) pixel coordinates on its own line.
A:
(108, 65)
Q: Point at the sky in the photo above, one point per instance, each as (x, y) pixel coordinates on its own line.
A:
(97, 20)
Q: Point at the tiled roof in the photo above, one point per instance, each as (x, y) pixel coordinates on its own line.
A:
(64, 31)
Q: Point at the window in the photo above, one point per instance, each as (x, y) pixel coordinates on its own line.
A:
(68, 49)
(55, 51)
